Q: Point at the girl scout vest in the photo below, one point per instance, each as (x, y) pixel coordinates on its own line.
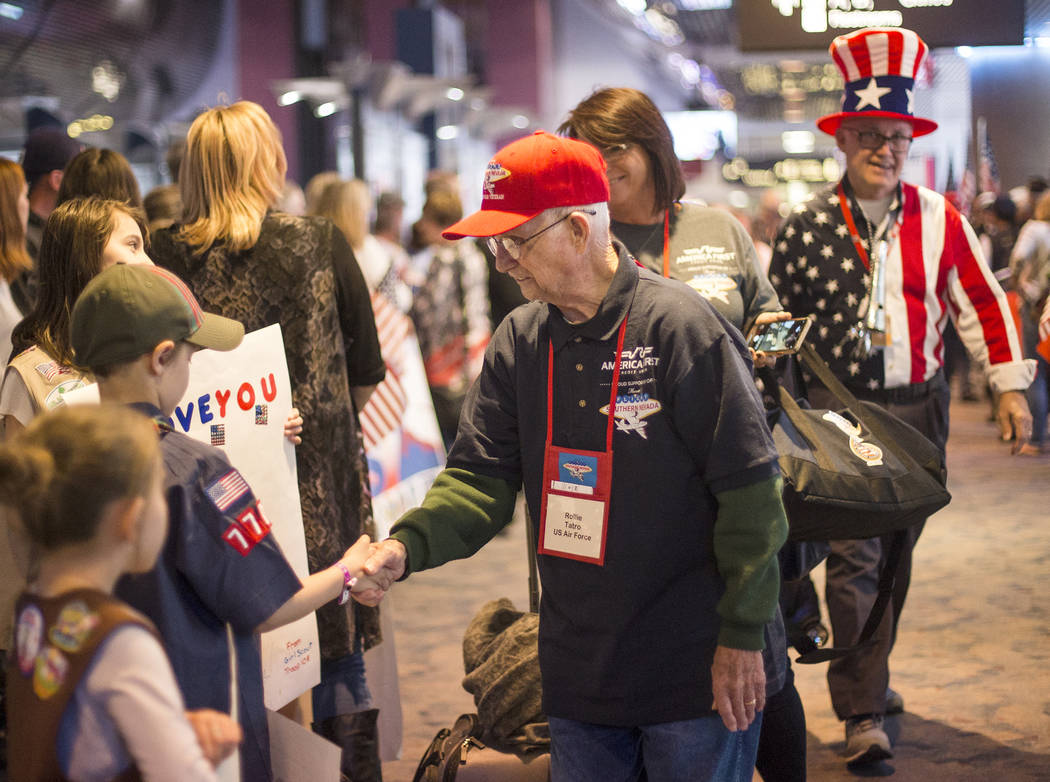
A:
(55, 641)
(46, 380)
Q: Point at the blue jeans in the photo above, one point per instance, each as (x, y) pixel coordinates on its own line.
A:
(343, 689)
(698, 750)
(1038, 393)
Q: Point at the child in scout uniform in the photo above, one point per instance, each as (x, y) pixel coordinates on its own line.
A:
(91, 694)
(135, 328)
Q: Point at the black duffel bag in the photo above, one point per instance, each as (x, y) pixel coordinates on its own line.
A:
(853, 473)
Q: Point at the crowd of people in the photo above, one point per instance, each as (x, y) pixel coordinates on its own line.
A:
(582, 338)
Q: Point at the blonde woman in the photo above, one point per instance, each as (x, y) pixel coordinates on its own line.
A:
(245, 261)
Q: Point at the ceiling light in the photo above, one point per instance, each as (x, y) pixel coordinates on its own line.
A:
(447, 132)
(288, 98)
(455, 93)
(326, 109)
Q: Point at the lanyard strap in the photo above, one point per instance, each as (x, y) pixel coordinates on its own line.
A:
(667, 243)
(847, 215)
(612, 395)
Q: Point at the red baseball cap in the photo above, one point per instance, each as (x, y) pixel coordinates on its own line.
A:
(530, 175)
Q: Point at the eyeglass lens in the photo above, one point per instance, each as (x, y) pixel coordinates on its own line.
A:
(871, 139)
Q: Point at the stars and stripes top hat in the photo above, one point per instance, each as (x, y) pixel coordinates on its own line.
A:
(880, 65)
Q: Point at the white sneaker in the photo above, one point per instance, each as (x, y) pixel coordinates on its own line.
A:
(866, 741)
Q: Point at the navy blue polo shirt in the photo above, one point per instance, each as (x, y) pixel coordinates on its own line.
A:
(219, 564)
(630, 642)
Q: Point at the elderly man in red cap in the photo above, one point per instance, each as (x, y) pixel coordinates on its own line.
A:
(625, 405)
(880, 265)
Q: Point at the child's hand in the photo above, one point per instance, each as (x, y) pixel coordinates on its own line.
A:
(217, 733)
(293, 427)
(355, 557)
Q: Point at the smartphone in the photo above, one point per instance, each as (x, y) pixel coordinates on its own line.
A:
(781, 337)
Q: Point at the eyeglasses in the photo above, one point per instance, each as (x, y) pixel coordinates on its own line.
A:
(613, 151)
(872, 139)
(512, 245)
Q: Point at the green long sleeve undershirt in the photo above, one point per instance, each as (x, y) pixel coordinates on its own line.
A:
(750, 529)
(463, 511)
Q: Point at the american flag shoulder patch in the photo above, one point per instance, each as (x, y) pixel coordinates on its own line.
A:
(227, 490)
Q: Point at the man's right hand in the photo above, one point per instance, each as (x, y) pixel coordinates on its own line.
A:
(385, 565)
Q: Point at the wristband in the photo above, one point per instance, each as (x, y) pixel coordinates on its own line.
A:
(348, 583)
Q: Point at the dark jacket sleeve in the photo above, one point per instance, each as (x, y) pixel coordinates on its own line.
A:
(461, 512)
(364, 361)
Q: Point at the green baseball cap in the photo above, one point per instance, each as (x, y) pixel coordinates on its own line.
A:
(129, 309)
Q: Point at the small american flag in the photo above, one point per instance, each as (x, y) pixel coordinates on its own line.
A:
(227, 490)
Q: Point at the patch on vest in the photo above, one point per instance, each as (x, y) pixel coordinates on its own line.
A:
(57, 395)
(29, 632)
(52, 369)
(49, 673)
(75, 624)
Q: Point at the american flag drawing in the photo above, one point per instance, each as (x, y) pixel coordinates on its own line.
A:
(227, 490)
(386, 407)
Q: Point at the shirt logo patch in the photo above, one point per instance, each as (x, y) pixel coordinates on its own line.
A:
(713, 286)
(254, 524)
(49, 672)
(74, 625)
(630, 410)
(249, 528)
(28, 635)
(227, 490)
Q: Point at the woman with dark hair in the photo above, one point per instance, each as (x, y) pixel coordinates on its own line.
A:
(699, 245)
(245, 261)
(100, 172)
(82, 237)
(14, 258)
(710, 251)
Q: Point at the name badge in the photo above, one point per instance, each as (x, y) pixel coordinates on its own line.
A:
(575, 510)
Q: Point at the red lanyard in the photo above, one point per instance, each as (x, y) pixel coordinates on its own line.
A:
(612, 395)
(667, 243)
(852, 226)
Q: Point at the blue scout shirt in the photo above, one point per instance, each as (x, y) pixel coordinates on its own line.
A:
(219, 564)
(632, 642)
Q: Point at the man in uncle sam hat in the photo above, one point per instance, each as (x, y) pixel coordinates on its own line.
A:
(625, 406)
(881, 264)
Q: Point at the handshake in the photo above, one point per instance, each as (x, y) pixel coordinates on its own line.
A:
(376, 567)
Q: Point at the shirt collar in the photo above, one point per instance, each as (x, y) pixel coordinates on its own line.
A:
(150, 410)
(612, 310)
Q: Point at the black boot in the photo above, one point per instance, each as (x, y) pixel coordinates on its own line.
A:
(358, 737)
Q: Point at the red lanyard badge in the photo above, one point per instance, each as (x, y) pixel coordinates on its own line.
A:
(577, 484)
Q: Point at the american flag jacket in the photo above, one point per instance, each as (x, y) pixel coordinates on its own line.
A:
(934, 270)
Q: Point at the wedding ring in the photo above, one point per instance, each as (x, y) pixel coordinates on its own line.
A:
(750, 703)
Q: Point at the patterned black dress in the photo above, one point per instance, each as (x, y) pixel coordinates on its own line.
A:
(302, 274)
